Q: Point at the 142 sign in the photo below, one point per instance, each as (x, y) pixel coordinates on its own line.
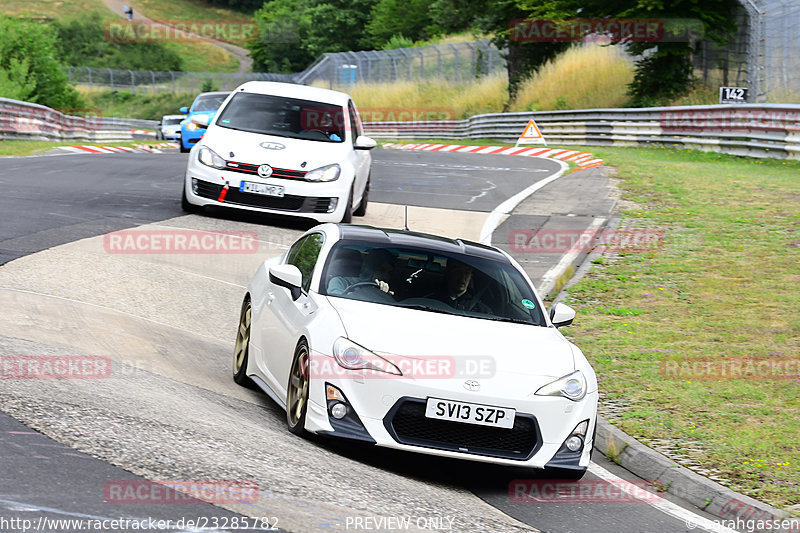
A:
(732, 95)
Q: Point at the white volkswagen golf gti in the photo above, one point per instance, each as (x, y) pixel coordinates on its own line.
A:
(284, 149)
(420, 343)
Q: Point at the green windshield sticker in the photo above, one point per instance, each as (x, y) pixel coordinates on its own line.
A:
(226, 120)
(529, 304)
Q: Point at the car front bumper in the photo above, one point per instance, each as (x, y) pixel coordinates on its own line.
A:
(324, 202)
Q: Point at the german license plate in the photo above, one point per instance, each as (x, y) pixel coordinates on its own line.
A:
(261, 188)
(470, 413)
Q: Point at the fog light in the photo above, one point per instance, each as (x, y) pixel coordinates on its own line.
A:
(338, 410)
(194, 185)
(574, 443)
(332, 205)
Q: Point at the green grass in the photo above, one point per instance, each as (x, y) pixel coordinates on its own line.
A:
(145, 106)
(197, 56)
(14, 147)
(724, 283)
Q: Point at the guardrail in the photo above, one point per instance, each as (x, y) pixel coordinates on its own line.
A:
(24, 120)
(757, 130)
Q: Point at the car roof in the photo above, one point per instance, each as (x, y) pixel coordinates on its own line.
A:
(397, 237)
(173, 116)
(293, 90)
(214, 93)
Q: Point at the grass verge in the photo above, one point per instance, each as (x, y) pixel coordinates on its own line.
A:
(15, 147)
(723, 286)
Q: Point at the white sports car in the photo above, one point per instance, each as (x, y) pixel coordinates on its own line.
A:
(283, 149)
(420, 343)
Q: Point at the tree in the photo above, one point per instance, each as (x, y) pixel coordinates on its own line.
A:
(292, 33)
(409, 18)
(28, 59)
(664, 71)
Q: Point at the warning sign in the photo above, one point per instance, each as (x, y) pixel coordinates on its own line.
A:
(531, 135)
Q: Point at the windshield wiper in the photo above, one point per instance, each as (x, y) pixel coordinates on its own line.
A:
(512, 320)
(420, 307)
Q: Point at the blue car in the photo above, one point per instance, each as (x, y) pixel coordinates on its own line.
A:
(205, 105)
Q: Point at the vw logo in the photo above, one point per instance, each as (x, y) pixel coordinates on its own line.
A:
(472, 385)
(265, 171)
(272, 146)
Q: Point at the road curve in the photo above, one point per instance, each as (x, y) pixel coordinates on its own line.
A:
(169, 410)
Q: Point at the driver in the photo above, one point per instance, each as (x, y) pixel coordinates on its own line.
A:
(376, 267)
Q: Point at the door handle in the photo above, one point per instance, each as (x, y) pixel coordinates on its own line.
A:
(270, 297)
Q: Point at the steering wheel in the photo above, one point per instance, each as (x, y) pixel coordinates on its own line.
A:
(359, 285)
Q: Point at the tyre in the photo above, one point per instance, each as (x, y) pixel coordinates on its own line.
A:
(186, 206)
(347, 217)
(297, 391)
(241, 349)
(180, 145)
(362, 207)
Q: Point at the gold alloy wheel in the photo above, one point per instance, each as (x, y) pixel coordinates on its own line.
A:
(241, 348)
(297, 393)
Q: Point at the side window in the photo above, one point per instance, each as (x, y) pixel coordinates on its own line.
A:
(304, 254)
(355, 121)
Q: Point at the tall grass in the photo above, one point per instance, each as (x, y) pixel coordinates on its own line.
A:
(441, 98)
(583, 77)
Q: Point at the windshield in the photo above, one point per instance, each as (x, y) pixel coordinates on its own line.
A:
(209, 102)
(430, 281)
(284, 117)
(172, 121)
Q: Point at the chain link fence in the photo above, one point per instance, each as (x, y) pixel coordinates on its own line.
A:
(763, 56)
(453, 62)
(149, 81)
(456, 62)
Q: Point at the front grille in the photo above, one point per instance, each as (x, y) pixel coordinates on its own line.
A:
(248, 168)
(289, 202)
(407, 424)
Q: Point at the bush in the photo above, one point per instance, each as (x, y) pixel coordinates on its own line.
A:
(29, 65)
(81, 42)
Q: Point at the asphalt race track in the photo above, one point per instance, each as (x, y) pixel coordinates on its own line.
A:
(167, 409)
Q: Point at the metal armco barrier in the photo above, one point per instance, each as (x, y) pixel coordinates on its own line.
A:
(23, 120)
(757, 130)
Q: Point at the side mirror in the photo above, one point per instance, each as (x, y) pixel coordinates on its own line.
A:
(287, 276)
(183, 110)
(201, 120)
(365, 143)
(561, 315)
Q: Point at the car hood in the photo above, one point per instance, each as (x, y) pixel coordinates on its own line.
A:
(509, 348)
(248, 148)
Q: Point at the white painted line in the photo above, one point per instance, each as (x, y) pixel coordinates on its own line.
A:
(690, 519)
(550, 277)
(493, 220)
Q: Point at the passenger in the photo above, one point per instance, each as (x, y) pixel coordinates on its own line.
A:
(457, 289)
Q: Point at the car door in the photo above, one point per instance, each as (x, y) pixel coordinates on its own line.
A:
(290, 317)
(363, 158)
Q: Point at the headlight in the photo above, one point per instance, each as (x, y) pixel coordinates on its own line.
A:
(351, 356)
(209, 157)
(572, 386)
(191, 126)
(326, 173)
